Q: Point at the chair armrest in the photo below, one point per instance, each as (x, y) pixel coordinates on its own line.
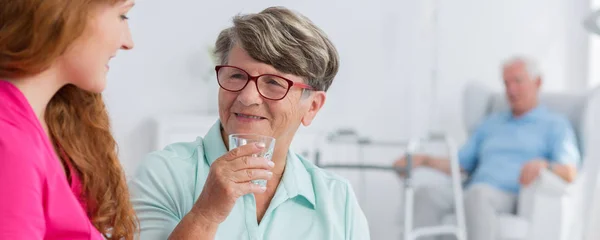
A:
(546, 186)
(547, 204)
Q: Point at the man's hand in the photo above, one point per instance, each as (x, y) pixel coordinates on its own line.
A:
(532, 170)
(417, 160)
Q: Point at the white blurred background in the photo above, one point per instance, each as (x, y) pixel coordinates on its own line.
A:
(404, 65)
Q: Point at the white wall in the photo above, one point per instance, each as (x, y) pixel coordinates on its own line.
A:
(164, 72)
(384, 85)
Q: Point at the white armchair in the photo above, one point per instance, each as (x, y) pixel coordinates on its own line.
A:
(550, 208)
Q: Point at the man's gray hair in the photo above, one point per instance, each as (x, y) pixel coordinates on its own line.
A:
(531, 66)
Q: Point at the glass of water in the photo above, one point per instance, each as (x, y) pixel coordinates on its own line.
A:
(237, 140)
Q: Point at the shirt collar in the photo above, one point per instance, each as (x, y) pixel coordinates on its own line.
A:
(213, 144)
(532, 114)
(296, 178)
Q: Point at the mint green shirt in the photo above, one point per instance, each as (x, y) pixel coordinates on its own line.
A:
(309, 203)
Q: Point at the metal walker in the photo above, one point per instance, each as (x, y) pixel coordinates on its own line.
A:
(409, 232)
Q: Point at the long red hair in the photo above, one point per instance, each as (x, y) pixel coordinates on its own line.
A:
(33, 34)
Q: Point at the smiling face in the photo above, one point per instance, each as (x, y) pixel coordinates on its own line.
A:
(276, 41)
(247, 111)
(85, 63)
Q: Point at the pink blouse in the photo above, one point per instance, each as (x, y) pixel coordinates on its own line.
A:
(36, 200)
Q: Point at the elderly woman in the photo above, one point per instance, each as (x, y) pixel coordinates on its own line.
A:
(276, 67)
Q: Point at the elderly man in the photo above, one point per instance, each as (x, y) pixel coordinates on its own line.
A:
(507, 151)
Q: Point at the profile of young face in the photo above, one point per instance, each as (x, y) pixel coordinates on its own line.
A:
(85, 63)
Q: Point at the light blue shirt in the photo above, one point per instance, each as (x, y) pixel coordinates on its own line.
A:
(309, 203)
(502, 145)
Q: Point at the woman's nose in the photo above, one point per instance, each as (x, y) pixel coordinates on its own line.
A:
(250, 95)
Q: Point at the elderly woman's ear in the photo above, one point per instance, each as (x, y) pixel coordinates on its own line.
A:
(316, 102)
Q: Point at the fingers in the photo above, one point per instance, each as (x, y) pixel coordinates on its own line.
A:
(244, 150)
(250, 187)
(247, 175)
(525, 179)
(524, 175)
(251, 163)
(528, 178)
(535, 172)
(417, 160)
(399, 163)
(529, 174)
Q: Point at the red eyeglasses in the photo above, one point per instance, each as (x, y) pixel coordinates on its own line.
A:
(269, 86)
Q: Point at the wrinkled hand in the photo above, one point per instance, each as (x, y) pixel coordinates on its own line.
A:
(229, 178)
(532, 170)
(417, 161)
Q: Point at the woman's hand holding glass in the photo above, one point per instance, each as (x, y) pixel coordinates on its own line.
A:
(229, 178)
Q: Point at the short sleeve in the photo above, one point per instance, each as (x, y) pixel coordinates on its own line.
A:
(564, 145)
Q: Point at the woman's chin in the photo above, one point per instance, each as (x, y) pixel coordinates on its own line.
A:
(96, 85)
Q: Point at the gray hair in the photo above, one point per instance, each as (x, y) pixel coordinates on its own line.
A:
(531, 65)
(285, 40)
